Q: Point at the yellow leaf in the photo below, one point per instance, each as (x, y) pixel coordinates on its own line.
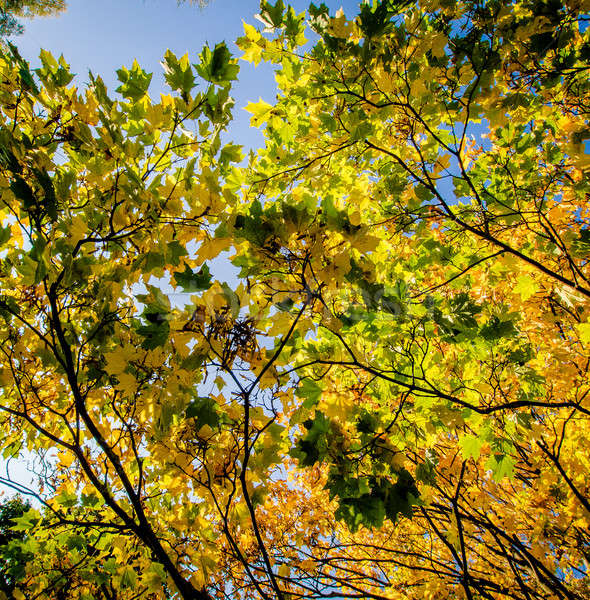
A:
(438, 45)
(260, 112)
(127, 384)
(366, 243)
(526, 287)
(339, 26)
(77, 230)
(584, 332)
(198, 579)
(280, 323)
(355, 218)
(284, 570)
(251, 33)
(252, 53)
(116, 361)
(342, 260)
(17, 235)
(385, 81)
(211, 248)
(417, 87)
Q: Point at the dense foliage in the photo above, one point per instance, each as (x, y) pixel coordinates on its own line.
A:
(12, 562)
(12, 10)
(391, 400)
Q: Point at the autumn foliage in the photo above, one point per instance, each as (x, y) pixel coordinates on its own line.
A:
(391, 400)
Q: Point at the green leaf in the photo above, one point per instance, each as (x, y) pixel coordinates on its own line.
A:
(174, 251)
(76, 542)
(128, 577)
(401, 497)
(156, 330)
(501, 465)
(134, 82)
(190, 281)
(26, 521)
(272, 14)
(376, 16)
(203, 410)
(310, 392)
(5, 234)
(26, 78)
(8, 307)
(471, 446)
(178, 74)
(367, 422)
(155, 300)
(426, 473)
(232, 299)
(153, 261)
(217, 66)
(53, 72)
(313, 447)
(23, 191)
(7, 157)
(230, 153)
(366, 510)
(50, 199)
(285, 305)
(193, 361)
(384, 499)
(495, 329)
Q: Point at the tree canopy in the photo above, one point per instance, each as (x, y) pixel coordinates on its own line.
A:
(12, 10)
(391, 400)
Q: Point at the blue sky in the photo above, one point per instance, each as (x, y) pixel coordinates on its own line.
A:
(104, 35)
